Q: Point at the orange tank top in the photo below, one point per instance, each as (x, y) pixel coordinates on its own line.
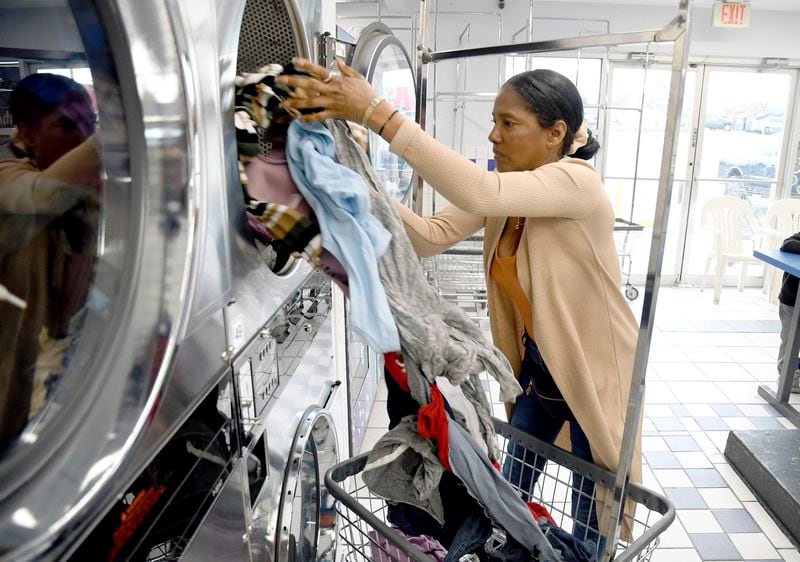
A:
(504, 272)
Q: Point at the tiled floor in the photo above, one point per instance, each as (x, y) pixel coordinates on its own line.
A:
(706, 363)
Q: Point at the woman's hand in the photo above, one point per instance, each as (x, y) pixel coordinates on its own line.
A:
(344, 96)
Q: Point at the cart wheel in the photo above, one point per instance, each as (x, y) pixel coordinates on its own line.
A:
(631, 293)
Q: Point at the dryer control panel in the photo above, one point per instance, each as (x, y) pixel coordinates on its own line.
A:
(273, 354)
(257, 379)
(265, 371)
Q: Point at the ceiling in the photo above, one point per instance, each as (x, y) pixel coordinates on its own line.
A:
(772, 5)
(411, 6)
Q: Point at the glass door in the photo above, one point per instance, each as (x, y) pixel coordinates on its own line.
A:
(307, 519)
(741, 121)
(636, 121)
(731, 142)
(97, 260)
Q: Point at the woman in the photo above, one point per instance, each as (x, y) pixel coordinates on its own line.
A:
(553, 275)
(56, 146)
(48, 213)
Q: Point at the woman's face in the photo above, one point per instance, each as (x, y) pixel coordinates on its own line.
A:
(519, 141)
(51, 137)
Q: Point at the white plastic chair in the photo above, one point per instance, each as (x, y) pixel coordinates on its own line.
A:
(729, 219)
(782, 220)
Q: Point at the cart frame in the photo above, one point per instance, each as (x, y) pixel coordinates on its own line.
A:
(675, 32)
(624, 251)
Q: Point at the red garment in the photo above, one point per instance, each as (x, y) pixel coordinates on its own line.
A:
(432, 417)
(432, 424)
(539, 511)
(397, 369)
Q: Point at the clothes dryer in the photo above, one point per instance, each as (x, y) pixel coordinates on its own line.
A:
(104, 277)
(383, 60)
(140, 296)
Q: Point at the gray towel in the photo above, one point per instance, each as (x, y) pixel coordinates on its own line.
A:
(403, 467)
(436, 337)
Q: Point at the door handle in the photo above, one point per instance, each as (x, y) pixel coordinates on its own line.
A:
(330, 390)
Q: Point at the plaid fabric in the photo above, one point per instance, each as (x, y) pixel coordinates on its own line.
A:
(258, 105)
(288, 230)
(258, 101)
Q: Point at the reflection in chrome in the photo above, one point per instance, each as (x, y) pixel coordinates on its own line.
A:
(98, 468)
(24, 518)
(49, 205)
(99, 252)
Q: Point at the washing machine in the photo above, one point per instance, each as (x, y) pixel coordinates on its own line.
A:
(175, 340)
(138, 343)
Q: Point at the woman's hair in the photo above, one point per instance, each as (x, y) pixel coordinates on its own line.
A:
(37, 95)
(552, 97)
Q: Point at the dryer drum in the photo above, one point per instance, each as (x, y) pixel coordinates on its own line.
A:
(271, 32)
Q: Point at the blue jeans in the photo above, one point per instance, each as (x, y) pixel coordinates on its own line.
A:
(542, 414)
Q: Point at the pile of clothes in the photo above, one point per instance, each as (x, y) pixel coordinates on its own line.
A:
(437, 466)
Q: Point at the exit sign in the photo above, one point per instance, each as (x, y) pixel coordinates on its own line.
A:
(731, 14)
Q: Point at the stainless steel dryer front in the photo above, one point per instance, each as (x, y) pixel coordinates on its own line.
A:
(178, 288)
(103, 391)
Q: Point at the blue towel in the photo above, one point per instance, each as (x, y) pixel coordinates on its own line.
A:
(341, 202)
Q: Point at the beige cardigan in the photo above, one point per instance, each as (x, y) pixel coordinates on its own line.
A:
(567, 265)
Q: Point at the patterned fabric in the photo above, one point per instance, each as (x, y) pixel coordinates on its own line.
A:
(285, 223)
(290, 231)
(257, 98)
(258, 106)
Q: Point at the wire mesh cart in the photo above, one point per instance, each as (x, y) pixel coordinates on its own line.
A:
(457, 274)
(626, 234)
(365, 534)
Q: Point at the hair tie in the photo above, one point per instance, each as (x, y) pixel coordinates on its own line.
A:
(580, 139)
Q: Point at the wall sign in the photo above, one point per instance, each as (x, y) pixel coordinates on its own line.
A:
(731, 14)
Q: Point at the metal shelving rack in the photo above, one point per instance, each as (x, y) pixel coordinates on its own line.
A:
(675, 32)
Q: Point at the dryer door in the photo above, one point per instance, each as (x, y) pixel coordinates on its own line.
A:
(382, 59)
(95, 254)
(307, 513)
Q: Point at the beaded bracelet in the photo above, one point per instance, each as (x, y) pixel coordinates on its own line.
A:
(380, 132)
(368, 112)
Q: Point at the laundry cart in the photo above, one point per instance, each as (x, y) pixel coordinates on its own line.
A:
(365, 535)
(626, 235)
(634, 517)
(458, 275)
